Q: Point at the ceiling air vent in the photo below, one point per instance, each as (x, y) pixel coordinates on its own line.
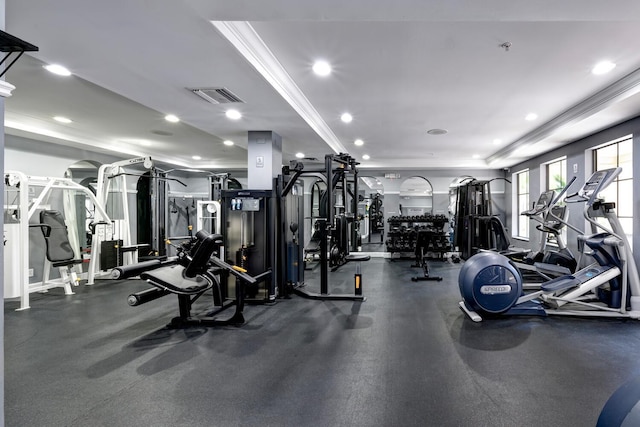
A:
(217, 95)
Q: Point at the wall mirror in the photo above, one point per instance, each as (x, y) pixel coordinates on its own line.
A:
(85, 173)
(416, 197)
(371, 213)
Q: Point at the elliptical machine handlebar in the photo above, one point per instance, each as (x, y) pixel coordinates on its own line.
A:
(563, 191)
(558, 199)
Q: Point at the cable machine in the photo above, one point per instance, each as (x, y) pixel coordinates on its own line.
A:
(114, 246)
(473, 208)
(250, 240)
(340, 172)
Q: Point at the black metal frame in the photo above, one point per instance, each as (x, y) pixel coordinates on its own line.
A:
(346, 165)
(11, 44)
(202, 264)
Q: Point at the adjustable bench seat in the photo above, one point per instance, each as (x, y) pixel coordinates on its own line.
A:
(173, 279)
(66, 263)
(59, 252)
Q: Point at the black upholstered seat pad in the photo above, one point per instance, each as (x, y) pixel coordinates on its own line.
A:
(57, 239)
(172, 278)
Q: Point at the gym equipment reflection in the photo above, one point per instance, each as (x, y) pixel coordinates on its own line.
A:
(371, 214)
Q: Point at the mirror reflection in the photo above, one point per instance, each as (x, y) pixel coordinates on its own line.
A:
(371, 213)
(416, 197)
(85, 173)
(317, 210)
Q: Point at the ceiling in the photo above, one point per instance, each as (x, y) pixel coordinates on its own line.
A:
(399, 68)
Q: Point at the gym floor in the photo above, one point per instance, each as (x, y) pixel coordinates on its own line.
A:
(406, 356)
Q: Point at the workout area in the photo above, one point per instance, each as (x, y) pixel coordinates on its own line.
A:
(212, 216)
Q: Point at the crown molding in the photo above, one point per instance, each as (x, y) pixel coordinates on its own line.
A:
(249, 44)
(624, 88)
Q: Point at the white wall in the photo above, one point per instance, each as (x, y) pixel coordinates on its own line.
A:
(37, 158)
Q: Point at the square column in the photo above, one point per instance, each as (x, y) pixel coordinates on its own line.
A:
(264, 155)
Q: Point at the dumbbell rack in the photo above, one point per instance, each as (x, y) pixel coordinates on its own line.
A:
(403, 231)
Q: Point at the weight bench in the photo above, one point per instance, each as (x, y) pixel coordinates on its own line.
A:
(189, 276)
(59, 253)
(424, 242)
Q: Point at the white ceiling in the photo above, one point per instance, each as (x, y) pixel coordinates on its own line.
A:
(400, 68)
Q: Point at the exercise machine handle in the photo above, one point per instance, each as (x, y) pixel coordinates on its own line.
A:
(564, 190)
(93, 225)
(240, 272)
(46, 229)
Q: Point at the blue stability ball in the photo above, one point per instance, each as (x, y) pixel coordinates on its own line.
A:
(489, 282)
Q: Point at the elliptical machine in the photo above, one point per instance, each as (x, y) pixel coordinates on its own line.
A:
(537, 213)
(547, 264)
(490, 284)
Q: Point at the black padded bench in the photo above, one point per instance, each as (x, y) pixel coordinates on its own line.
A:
(172, 279)
(189, 277)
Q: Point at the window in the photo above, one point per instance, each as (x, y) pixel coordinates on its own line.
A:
(618, 154)
(556, 179)
(557, 175)
(522, 185)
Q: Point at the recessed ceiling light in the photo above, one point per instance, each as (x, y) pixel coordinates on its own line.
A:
(322, 68)
(233, 114)
(57, 69)
(172, 118)
(228, 142)
(366, 157)
(62, 119)
(359, 142)
(300, 155)
(497, 141)
(603, 67)
(437, 131)
(196, 157)
(531, 117)
(346, 117)
(475, 156)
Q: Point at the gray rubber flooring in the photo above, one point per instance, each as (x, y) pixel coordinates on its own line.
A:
(405, 357)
